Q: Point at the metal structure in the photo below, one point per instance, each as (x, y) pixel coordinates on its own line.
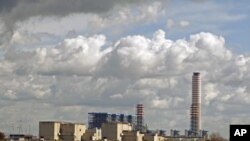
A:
(195, 114)
(95, 120)
(140, 117)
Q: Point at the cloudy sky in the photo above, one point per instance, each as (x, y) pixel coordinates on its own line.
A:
(61, 59)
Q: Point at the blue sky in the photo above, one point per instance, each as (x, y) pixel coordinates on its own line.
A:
(227, 18)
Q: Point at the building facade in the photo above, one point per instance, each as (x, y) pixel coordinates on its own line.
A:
(49, 130)
(95, 120)
(72, 131)
(92, 135)
(63, 131)
(132, 136)
(113, 130)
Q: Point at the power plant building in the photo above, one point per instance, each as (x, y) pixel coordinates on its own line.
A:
(63, 131)
(95, 120)
(92, 135)
(113, 130)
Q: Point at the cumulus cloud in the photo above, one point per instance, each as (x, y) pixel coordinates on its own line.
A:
(114, 22)
(89, 16)
(21, 9)
(86, 72)
(125, 16)
(73, 56)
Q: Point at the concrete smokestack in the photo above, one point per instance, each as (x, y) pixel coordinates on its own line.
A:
(140, 116)
(196, 103)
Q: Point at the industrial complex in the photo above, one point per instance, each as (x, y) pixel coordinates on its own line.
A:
(121, 127)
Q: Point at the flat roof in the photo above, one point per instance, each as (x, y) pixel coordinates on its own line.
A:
(62, 122)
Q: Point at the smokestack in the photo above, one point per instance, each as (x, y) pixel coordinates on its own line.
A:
(196, 103)
(140, 116)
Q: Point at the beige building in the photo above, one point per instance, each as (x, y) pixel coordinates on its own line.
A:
(49, 130)
(150, 137)
(63, 131)
(137, 136)
(92, 135)
(153, 137)
(132, 136)
(113, 130)
(72, 131)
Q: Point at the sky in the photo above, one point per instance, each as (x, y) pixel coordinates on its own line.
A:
(61, 59)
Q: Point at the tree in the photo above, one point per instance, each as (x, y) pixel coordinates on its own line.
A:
(2, 136)
(217, 137)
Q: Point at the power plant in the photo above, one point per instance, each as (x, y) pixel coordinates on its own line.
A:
(121, 127)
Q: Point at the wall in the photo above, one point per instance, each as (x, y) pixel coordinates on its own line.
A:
(49, 130)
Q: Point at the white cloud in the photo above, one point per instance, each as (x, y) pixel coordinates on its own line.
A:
(125, 17)
(173, 24)
(113, 21)
(160, 103)
(116, 96)
(170, 23)
(84, 72)
(211, 92)
(23, 38)
(184, 23)
(78, 55)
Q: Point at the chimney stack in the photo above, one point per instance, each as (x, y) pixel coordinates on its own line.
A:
(196, 104)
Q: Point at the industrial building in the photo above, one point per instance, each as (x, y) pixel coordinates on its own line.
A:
(49, 130)
(95, 120)
(110, 131)
(114, 130)
(65, 131)
(72, 131)
(132, 136)
(92, 135)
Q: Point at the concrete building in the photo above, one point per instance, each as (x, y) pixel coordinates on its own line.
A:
(72, 131)
(92, 135)
(49, 130)
(195, 114)
(138, 136)
(132, 136)
(63, 131)
(151, 137)
(114, 130)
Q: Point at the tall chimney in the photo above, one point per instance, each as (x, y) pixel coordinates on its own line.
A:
(140, 116)
(196, 103)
